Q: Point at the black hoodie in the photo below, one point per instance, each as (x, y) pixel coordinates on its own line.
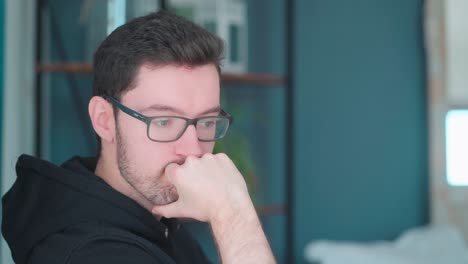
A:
(69, 215)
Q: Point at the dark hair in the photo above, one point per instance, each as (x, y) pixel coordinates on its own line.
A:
(158, 39)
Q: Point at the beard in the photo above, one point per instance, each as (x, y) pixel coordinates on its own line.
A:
(146, 184)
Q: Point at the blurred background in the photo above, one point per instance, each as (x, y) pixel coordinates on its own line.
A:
(351, 116)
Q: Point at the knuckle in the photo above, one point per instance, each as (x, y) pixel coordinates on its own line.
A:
(207, 156)
(189, 160)
(222, 156)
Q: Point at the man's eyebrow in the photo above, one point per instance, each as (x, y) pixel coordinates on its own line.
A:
(162, 108)
(166, 108)
(212, 110)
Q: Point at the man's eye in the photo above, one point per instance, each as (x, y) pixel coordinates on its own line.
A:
(208, 124)
(162, 122)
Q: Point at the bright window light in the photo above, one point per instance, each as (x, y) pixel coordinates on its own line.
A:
(457, 147)
(116, 10)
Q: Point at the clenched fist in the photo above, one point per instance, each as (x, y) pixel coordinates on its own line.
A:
(210, 188)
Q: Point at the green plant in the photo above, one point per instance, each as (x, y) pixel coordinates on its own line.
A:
(238, 148)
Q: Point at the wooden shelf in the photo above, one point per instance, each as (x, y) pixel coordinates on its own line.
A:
(84, 68)
(253, 78)
(271, 209)
(262, 79)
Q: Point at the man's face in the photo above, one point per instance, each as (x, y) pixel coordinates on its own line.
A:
(163, 91)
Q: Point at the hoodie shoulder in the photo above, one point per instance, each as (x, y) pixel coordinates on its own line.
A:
(61, 197)
(97, 243)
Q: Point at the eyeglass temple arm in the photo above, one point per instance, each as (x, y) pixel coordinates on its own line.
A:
(127, 110)
(230, 117)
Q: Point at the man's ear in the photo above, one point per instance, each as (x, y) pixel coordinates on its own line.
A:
(101, 114)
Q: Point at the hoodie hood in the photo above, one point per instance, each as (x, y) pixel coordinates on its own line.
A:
(46, 199)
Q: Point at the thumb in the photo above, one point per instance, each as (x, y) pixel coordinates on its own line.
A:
(168, 211)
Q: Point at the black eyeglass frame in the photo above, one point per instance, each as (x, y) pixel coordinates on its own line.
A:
(148, 119)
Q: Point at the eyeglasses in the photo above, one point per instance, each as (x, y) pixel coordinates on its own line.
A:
(171, 128)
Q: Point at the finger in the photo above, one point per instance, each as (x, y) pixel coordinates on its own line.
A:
(171, 170)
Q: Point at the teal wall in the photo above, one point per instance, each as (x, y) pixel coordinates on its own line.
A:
(69, 136)
(361, 128)
(2, 68)
(267, 51)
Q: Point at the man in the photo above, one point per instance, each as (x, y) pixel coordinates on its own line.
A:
(157, 114)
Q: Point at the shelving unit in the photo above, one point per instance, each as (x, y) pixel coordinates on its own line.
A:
(72, 69)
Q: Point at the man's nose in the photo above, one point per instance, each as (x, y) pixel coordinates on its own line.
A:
(188, 144)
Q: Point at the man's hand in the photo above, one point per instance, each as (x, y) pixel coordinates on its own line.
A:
(211, 189)
(208, 188)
